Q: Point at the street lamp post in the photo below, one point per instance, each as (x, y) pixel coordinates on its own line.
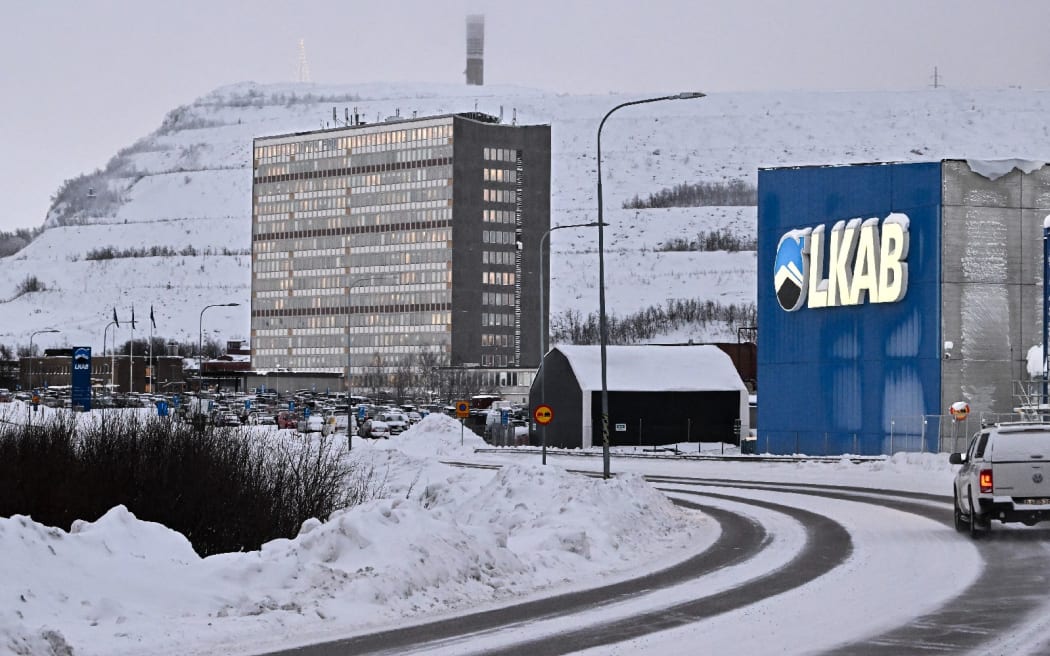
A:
(603, 335)
(200, 344)
(354, 283)
(31, 336)
(543, 329)
(112, 362)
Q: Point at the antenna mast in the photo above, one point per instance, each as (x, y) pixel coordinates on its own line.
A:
(936, 79)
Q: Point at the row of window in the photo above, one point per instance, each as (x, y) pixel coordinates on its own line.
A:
(504, 278)
(498, 216)
(338, 324)
(377, 222)
(309, 201)
(495, 360)
(361, 162)
(498, 340)
(500, 154)
(361, 140)
(498, 237)
(499, 175)
(497, 319)
(336, 247)
(497, 298)
(498, 257)
(359, 343)
(402, 197)
(367, 209)
(498, 195)
(394, 303)
(270, 191)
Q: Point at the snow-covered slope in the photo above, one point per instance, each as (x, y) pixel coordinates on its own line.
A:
(187, 187)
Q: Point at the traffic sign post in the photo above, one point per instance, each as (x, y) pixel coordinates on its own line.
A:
(543, 414)
(462, 411)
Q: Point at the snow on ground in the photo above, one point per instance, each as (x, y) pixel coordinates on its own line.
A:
(441, 539)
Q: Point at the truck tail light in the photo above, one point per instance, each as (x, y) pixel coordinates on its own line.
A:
(986, 481)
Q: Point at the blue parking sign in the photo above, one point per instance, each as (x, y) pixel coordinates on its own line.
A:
(360, 412)
(504, 416)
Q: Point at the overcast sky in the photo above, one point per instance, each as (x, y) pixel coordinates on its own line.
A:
(83, 78)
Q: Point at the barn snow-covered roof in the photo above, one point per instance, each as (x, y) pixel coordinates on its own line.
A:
(654, 368)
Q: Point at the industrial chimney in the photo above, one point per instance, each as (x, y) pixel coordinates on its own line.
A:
(476, 49)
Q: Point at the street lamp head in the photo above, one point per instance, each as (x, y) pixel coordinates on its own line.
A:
(689, 95)
(232, 304)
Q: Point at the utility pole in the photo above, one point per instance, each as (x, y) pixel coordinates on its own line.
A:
(936, 79)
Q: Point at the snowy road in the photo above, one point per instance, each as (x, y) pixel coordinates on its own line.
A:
(796, 569)
(510, 556)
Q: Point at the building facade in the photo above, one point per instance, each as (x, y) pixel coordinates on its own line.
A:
(399, 245)
(118, 372)
(889, 292)
(657, 395)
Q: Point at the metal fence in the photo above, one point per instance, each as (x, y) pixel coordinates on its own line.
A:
(920, 433)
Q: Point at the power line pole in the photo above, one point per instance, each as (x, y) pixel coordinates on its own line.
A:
(936, 79)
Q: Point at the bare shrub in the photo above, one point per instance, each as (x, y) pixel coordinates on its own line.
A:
(222, 488)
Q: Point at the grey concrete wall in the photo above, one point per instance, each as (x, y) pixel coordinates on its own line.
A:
(991, 289)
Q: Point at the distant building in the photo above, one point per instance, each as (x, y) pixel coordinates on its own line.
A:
(657, 395)
(412, 243)
(116, 372)
(889, 292)
(476, 49)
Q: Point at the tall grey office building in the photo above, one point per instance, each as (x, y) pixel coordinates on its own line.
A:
(377, 247)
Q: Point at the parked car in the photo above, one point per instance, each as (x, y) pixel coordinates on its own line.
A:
(259, 419)
(311, 424)
(374, 428)
(229, 419)
(344, 423)
(5, 395)
(1005, 475)
(396, 421)
(287, 419)
(414, 417)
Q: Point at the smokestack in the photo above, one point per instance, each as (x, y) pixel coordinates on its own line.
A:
(476, 49)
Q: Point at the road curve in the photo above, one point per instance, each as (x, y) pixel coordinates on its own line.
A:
(741, 538)
(1005, 594)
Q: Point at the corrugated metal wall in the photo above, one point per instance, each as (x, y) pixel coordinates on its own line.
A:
(992, 261)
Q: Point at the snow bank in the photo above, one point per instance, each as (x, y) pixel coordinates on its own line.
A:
(440, 538)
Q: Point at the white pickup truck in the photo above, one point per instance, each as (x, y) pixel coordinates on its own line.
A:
(1005, 475)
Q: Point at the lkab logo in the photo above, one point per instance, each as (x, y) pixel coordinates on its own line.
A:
(865, 261)
(82, 359)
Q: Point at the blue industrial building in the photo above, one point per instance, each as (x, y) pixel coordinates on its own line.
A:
(886, 292)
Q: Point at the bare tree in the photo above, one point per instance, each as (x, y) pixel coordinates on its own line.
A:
(404, 379)
(374, 378)
(427, 367)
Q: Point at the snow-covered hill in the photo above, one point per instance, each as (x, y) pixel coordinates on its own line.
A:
(187, 188)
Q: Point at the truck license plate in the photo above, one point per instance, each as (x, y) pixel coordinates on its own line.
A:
(1041, 501)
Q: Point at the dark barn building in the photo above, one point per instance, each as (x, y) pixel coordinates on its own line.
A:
(657, 395)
